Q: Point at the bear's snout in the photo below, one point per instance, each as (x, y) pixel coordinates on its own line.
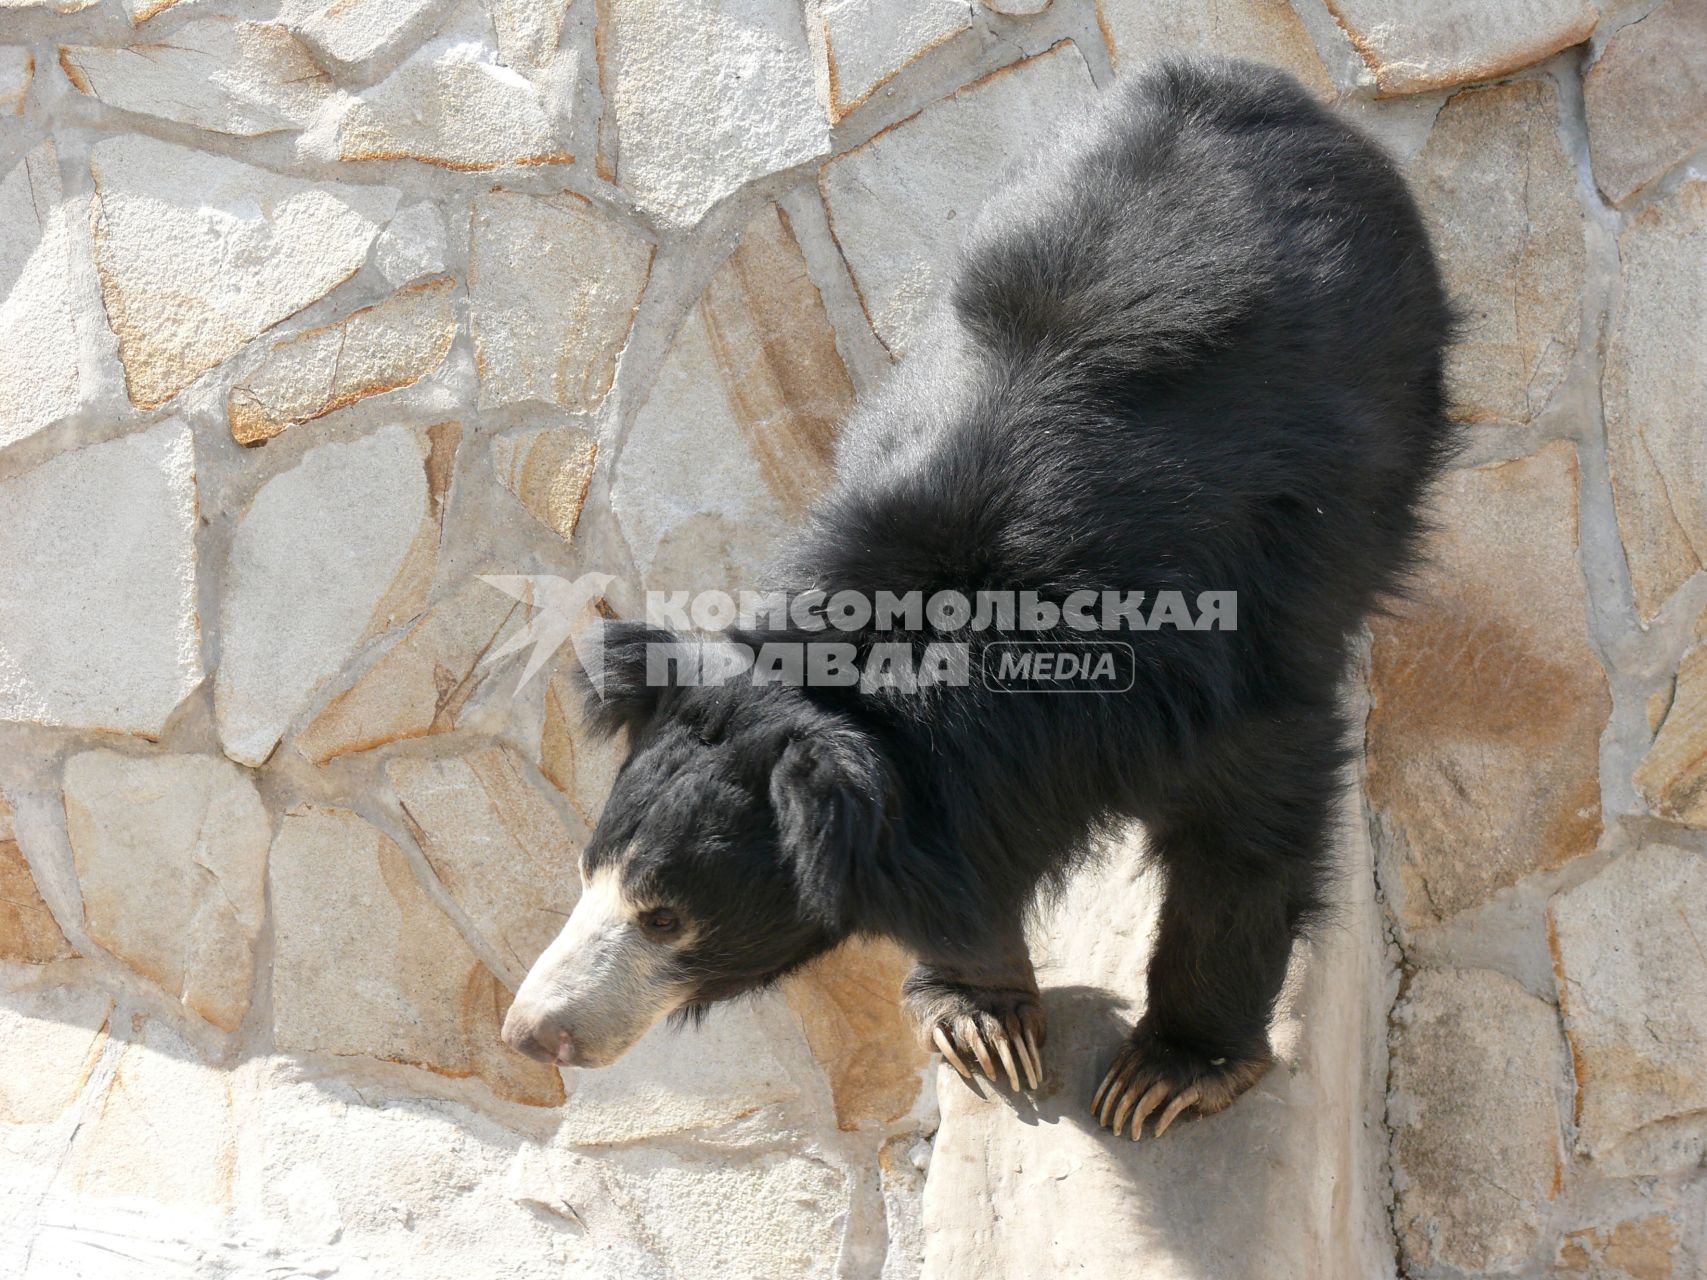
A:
(539, 1039)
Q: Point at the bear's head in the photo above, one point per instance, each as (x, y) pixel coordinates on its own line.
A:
(750, 830)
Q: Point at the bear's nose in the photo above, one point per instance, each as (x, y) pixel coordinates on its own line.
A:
(542, 1041)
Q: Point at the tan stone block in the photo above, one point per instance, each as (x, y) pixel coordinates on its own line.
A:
(230, 77)
(347, 32)
(50, 1040)
(39, 378)
(28, 932)
(1476, 1127)
(685, 138)
(171, 857)
(452, 107)
(17, 72)
(329, 555)
(1652, 389)
(98, 622)
(162, 1132)
(198, 254)
(421, 685)
(867, 43)
(1635, 1249)
(392, 344)
(549, 469)
(848, 1002)
(578, 763)
(1673, 776)
(736, 433)
(1500, 198)
(899, 202)
(1630, 957)
(497, 846)
(1488, 701)
(1413, 47)
(1646, 98)
(1268, 31)
(553, 288)
(366, 964)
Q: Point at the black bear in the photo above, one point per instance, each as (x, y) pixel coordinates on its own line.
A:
(1193, 347)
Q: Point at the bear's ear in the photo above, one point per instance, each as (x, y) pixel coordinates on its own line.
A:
(837, 806)
(616, 678)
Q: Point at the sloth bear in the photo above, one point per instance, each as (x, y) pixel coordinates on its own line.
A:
(1193, 345)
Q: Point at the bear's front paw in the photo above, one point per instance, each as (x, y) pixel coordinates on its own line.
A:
(981, 1027)
(1154, 1075)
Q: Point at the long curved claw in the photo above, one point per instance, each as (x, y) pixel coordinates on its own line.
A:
(1128, 1096)
(1004, 1051)
(1153, 1098)
(967, 1030)
(945, 1046)
(1033, 1060)
(1179, 1104)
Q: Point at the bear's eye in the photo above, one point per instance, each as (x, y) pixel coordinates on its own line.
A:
(659, 922)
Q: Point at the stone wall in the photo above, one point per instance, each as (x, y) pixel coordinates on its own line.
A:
(311, 316)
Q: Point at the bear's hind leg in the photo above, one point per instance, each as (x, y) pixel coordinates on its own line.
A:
(1243, 859)
(981, 1011)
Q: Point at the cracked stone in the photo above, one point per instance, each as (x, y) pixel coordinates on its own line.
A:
(239, 78)
(577, 762)
(406, 987)
(368, 1180)
(553, 288)
(50, 1040)
(135, 1142)
(28, 932)
(39, 378)
(730, 1069)
(898, 202)
(329, 555)
(390, 345)
(497, 846)
(1628, 954)
(17, 71)
(1512, 251)
(198, 254)
(685, 138)
(1652, 387)
(1673, 776)
(1646, 98)
(1017, 8)
(52, 6)
(528, 31)
(98, 625)
(347, 32)
(1412, 48)
(453, 105)
(752, 392)
(549, 469)
(849, 1004)
(867, 43)
(423, 684)
(170, 853)
(1475, 1120)
(1646, 1248)
(1475, 791)
(780, 1214)
(901, 1178)
(1267, 30)
(413, 244)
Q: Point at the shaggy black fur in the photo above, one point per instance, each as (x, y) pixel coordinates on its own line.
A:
(1196, 346)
